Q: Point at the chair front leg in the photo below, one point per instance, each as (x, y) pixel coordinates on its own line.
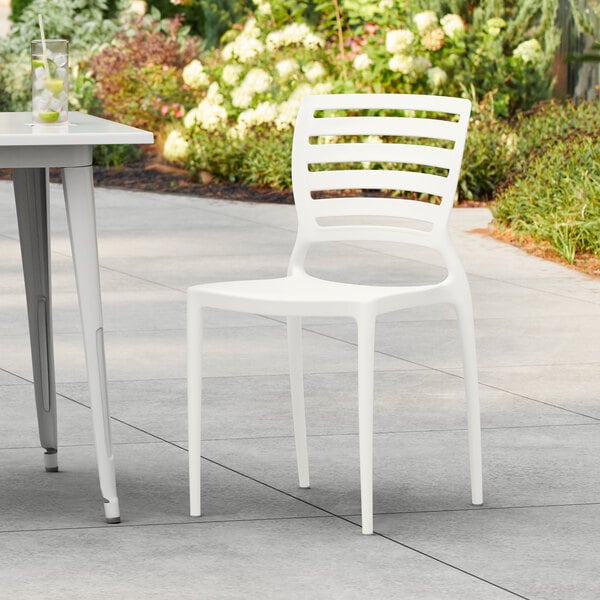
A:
(294, 329)
(194, 391)
(366, 365)
(464, 313)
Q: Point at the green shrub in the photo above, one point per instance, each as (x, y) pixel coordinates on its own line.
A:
(208, 19)
(553, 191)
(116, 155)
(17, 7)
(138, 77)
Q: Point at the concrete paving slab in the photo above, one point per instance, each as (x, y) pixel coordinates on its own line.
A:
(424, 471)
(500, 342)
(161, 354)
(254, 407)
(571, 387)
(310, 558)
(542, 553)
(152, 485)
(19, 421)
(569, 284)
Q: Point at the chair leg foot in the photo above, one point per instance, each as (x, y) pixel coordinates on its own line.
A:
(51, 460)
(111, 511)
(113, 520)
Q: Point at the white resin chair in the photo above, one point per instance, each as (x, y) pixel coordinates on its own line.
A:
(337, 131)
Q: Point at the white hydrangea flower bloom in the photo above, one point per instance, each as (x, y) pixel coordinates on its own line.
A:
(213, 95)
(398, 40)
(248, 48)
(436, 77)
(191, 118)
(323, 88)
(176, 147)
(265, 112)
(312, 41)
(286, 114)
(314, 71)
(241, 97)
(401, 63)
(237, 132)
(231, 74)
(257, 81)
(303, 90)
(361, 62)
(529, 51)
(193, 75)
(263, 8)
(210, 116)
(287, 67)
(246, 45)
(385, 5)
(251, 29)
(452, 25)
(295, 33)
(425, 21)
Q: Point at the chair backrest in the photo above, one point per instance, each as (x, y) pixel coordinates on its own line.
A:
(359, 157)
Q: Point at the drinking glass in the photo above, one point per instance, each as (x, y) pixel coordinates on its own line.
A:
(50, 81)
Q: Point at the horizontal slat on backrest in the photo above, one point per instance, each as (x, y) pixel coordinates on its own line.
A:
(373, 232)
(375, 180)
(392, 153)
(375, 207)
(383, 126)
(447, 104)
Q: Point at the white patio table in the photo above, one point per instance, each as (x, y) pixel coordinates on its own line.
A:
(29, 150)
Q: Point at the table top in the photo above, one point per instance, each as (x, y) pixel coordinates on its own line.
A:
(17, 129)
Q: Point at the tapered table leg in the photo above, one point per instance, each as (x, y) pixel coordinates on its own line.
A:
(31, 195)
(81, 216)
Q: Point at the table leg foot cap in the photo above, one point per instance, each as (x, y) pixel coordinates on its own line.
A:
(113, 520)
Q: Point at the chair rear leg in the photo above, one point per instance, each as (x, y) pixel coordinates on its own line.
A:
(294, 331)
(467, 334)
(366, 363)
(194, 392)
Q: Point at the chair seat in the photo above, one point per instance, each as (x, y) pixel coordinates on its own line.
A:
(303, 294)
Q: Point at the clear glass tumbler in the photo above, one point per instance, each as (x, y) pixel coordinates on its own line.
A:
(50, 81)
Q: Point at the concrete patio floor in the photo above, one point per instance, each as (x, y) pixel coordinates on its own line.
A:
(538, 324)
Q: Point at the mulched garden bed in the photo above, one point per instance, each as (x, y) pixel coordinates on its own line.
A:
(152, 174)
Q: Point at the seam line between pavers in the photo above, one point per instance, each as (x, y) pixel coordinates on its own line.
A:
(479, 509)
(441, 370)
(125, 525)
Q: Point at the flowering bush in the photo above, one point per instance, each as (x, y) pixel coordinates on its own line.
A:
(248, 94)
(248, 91)
(139, 78)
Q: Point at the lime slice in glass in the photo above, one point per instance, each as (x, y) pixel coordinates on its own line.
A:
(49, 116)
(54, 85)
(35, 63)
